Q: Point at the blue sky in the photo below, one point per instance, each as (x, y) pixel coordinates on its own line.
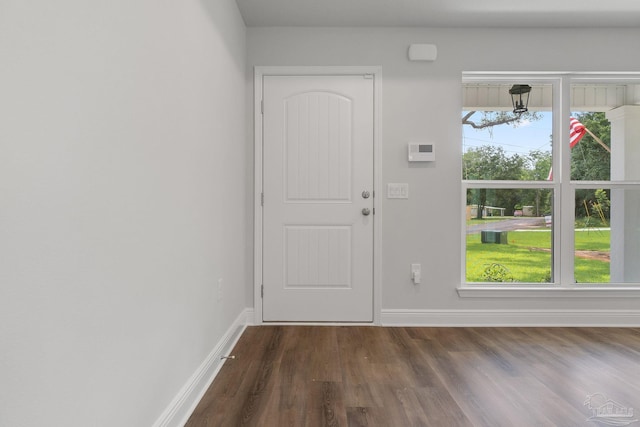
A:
(534, 135)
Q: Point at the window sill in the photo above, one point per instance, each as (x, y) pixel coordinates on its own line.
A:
(482, 291)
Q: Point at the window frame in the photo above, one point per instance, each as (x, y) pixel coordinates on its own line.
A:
(563, 207)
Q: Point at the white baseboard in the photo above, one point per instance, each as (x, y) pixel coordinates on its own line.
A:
(185, 402)
(591, 318)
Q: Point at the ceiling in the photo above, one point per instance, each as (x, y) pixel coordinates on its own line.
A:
(441, 13)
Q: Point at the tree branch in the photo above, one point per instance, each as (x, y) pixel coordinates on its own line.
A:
(491, 123)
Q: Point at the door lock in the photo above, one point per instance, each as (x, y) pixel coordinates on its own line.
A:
(365, 194)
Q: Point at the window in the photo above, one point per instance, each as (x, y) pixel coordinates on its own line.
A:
(551, 195)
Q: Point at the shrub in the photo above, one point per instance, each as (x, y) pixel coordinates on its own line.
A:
(497, 273)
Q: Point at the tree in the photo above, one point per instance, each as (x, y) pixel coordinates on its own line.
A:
(539, 165)
(538, 170)
(491, 163)
(589, 160)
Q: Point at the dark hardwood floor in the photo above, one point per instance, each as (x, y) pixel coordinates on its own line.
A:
(375, 376)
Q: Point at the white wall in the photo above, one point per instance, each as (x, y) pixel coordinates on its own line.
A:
(423, 101)
(122, 202)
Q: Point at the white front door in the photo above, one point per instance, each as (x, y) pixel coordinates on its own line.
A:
(318, 198)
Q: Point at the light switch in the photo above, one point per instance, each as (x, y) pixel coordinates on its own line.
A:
(416, 273)
(397, 191)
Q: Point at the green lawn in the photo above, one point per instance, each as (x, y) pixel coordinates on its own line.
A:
(592, 271)
(527, 258)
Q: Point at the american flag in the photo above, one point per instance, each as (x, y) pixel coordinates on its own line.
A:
(576, 132)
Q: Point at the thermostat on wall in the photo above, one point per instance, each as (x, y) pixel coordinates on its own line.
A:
(421, 152)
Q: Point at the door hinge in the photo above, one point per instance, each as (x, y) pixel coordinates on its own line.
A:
(261, 106)
(368, 76)
(261, 291)
(261, 199)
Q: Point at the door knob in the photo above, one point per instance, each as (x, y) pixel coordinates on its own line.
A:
(365, 194)
(366, 211)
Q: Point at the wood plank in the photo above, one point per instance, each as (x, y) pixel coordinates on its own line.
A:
(374, 376)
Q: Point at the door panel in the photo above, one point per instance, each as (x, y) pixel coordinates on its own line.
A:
(317, 257)
(317, 161)
(319, 146)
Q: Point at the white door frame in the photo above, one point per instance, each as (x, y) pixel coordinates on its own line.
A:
(259, 73)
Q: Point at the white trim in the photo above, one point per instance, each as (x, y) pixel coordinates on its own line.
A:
(585, 291)
(319, 324)
(184, 403)
(497, 318)
(257, 197)
(259, 73)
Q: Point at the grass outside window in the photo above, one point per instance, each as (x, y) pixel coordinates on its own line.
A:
(527, 256)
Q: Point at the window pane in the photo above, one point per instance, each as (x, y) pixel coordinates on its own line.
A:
(509, 235)
(501, 145)
(590, 139)
(607, 236)
(603, 125)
